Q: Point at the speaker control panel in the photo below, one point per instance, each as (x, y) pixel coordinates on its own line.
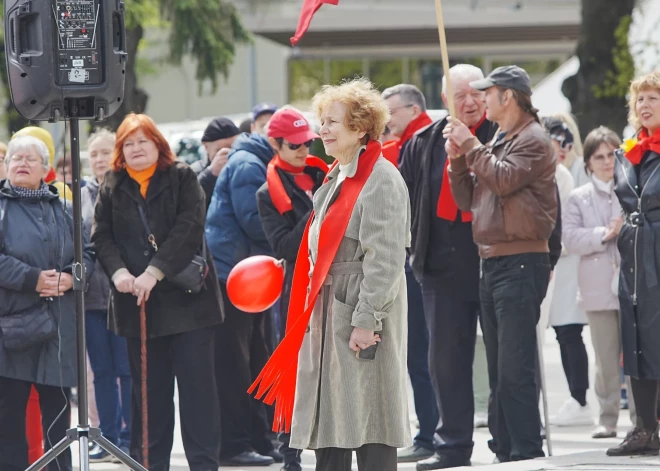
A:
(78, 29)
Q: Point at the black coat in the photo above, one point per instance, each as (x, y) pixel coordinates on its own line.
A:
(639, 245)
(285, 231)
(176, 213)
(453, 254)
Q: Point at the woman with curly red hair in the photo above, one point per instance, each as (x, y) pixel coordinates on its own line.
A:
(148, 226)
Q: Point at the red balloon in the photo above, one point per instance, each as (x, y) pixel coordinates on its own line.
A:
(255, 284)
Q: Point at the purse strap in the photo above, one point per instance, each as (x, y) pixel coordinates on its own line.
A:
(152, 239)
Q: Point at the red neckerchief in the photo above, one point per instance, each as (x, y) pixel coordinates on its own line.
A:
(392, 149)
(644, 143)
(277, 380)
(447, 208)
(50, 176)
(281, 200)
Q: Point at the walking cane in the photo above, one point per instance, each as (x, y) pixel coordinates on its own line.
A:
(544, 391)
(145, 410)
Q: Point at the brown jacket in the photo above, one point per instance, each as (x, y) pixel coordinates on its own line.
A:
(509, 185)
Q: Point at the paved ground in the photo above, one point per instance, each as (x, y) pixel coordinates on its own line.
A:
(572, 446)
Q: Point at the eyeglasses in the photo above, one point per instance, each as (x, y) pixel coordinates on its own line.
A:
(560, 139)
(307, 144)
(392, 110)
(29, 159)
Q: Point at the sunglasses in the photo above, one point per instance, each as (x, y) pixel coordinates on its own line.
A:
(307, 144)
(561, 140)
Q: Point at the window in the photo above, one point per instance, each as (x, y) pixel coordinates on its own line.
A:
(305, 78)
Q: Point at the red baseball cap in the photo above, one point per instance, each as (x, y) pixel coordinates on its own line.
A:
(290, 125)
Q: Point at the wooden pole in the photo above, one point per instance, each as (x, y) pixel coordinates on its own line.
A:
(445, 56)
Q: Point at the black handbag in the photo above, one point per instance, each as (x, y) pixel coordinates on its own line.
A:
(190, 279)
(24, 329)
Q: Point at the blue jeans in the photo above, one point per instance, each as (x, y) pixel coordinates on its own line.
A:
(108, 358)
(418, 365)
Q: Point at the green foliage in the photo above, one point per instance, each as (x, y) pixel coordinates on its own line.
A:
(207, 30)
(617, 80)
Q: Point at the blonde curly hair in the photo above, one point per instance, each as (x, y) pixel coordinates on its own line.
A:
(641, 84)
(366, 110)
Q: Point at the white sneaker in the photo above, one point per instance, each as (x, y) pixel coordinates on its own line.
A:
(572, 413)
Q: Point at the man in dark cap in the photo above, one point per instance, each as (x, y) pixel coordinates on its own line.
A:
(218, 137)
(509, 185)
(260, 116)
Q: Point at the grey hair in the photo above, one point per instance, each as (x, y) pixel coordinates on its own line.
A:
(28, 143)
(102, 133)
(462, 71)
(409, 94)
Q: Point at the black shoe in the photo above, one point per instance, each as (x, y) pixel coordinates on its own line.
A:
(638, 442)
(292, 467)
(276, 455)
(441, 461)
(247, 458)
(413, 454)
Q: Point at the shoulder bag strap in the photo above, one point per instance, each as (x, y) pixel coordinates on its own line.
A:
(150, 236)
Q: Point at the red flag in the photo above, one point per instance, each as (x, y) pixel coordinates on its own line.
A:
(306, 13)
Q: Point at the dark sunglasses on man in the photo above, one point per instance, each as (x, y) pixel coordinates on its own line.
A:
(307, 144)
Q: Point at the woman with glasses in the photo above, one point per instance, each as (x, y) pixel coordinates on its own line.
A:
(591, 223)
(37, 315)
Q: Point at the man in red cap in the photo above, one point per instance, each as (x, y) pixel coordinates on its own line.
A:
(285, 205)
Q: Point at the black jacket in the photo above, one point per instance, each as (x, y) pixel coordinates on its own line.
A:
(439, 247)
(176, 214)
(638, 190)
(205, 177)
(285, 231)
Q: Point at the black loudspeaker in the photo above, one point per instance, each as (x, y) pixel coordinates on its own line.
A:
(65, 58)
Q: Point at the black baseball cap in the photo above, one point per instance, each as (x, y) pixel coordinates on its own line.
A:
(508, 76)
(558, 130)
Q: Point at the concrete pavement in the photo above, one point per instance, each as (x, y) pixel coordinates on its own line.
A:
(573, 446)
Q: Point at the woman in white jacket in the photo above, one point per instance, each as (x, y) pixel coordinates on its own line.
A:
(591, 222)
(566, 318)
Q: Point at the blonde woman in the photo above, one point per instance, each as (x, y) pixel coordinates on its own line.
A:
(346, 331)
(637, 185)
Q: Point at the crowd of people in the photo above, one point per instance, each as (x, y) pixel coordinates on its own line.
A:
(416, 234)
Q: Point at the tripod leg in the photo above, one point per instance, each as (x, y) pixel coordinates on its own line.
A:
(118, 453)
(52, 454)
(83, 442)
(544, 392)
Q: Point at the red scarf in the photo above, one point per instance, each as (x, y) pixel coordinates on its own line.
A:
(278, 194)
(644, 144)
(277, 380)
(392, 149)
(447, 208)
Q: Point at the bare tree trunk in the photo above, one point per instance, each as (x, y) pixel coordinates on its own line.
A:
(596, 44)
(135, 98)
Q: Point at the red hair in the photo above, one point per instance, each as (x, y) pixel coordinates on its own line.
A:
(141, 122)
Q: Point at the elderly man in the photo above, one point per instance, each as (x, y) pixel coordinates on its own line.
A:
(509, 186)
(445, 260)
(408, 115)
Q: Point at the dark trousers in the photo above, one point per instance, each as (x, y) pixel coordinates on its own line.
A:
(452, 323)
(426, 405)
(108, 357)
(645, 395)
(574, 360)
(511, 291)
(188, 357)
(372, 457)
(55, 418)
(241, 352)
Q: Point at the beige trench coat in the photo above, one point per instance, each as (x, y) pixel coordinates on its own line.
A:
(342, 401)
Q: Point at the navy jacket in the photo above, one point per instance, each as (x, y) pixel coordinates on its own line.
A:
(233, 227)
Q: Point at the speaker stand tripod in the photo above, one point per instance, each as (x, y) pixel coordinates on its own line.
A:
(83, 433)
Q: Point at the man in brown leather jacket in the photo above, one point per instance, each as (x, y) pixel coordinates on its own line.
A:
(509, 186)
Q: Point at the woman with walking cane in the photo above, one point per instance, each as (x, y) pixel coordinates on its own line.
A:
(148, 231)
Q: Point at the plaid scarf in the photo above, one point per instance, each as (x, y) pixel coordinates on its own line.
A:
(28, 193)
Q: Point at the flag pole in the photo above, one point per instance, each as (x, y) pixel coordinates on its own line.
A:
(445, 56)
